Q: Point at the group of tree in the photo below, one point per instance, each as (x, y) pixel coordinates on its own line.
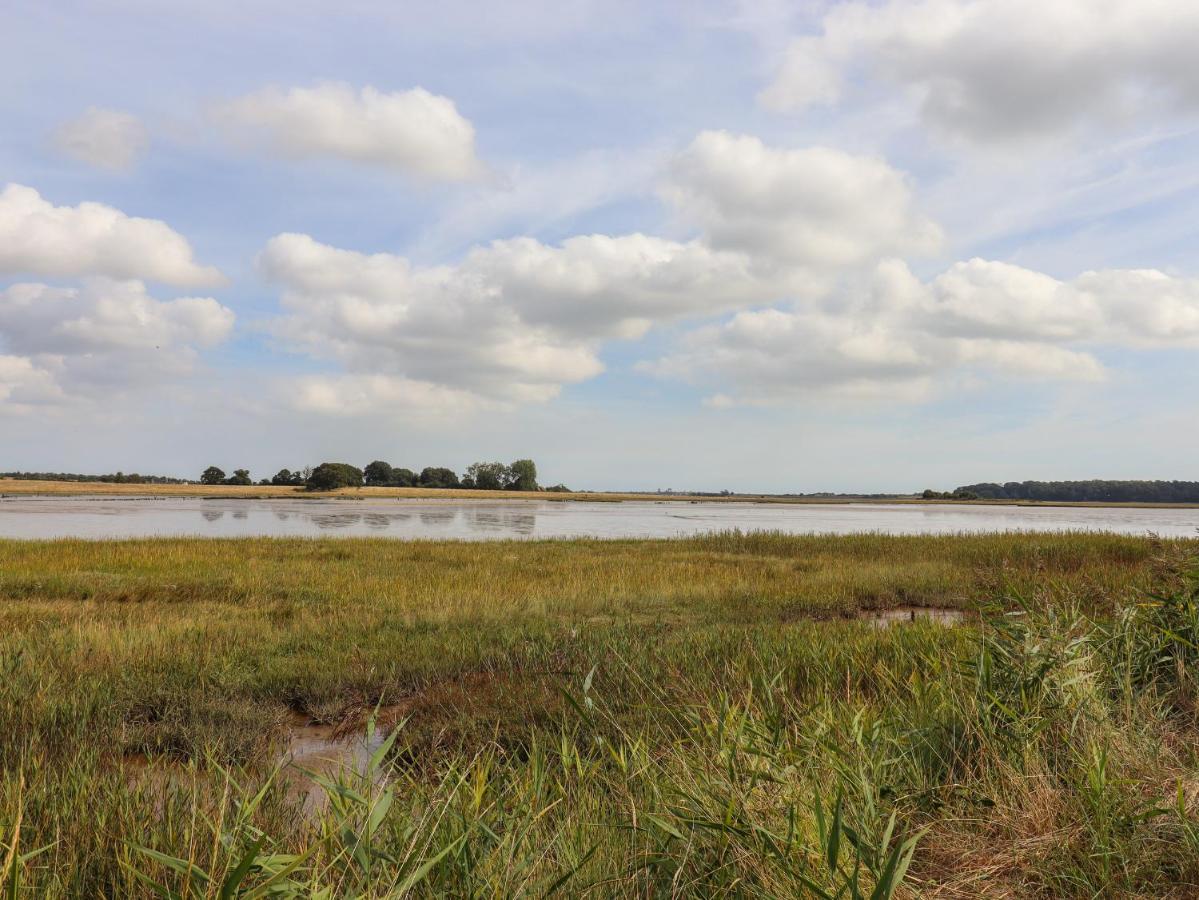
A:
(213, 475)
(286, 477)
(381, 474)
(520, 475)
(957, 494)
(116, 478)
(1096, 491)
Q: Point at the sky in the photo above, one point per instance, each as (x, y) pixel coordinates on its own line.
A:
(754, 246)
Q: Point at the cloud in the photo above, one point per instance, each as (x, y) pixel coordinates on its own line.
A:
(24, 386)
(67, 342)
(38, 238)
(596, 286)
(515, 320)
(512, 322)
(1002, 69)
(105, 138)
(813, 208)
(774, 354)
(410, 131)
(379, 315)
(1121, 307)
(357, 395)
(799, 247)
(896, 337)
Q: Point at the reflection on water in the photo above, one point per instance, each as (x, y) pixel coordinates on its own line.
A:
(336, 520)
(46, 517)
(489, 519)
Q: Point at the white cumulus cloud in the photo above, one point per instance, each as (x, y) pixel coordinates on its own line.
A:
(379, 315)
(1001, 69)
(25, 386)
(413, 131)
(813, 207)
(38, 238)
(515, 320)
(64, 342)
(106, 138)
(1123, 307)
(897, 337)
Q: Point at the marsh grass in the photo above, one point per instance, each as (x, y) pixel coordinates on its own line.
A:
(696, 717)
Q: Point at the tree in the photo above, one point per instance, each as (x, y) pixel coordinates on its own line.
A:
(239, 476)
(403, 477)
(379, 473)
(522, 475)
(433, 476)
(283, 477)
(212, 475)
(330, 476)
(487, 476)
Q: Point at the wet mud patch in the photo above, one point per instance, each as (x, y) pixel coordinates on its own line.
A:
(313, 750)
(499, 709)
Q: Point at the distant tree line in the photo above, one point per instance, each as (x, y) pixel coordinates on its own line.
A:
(956, 494)
(213, 475)
(520, 475)
(1097, 490)
(117, 478)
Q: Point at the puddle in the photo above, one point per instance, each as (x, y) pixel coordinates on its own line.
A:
(309, 749)
(322, 750)
(888, 618)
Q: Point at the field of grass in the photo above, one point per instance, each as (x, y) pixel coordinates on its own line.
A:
(698, 717)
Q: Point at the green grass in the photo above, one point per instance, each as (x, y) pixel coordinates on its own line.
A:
(697, 717)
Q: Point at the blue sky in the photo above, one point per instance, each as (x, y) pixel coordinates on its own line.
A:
(756, 246)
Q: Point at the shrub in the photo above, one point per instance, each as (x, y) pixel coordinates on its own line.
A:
(432, 476)
(329, 476)
(212, 475)
(378, 473)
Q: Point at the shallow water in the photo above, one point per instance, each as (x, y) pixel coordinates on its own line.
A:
(113, 517)
(905, 615)
(314, 750)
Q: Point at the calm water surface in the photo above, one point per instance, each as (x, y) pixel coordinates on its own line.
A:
(111, 517)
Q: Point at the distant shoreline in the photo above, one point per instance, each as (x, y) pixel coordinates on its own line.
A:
(16, 487)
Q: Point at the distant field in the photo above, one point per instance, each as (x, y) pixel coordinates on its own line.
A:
(603, 718)
(10, 486)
